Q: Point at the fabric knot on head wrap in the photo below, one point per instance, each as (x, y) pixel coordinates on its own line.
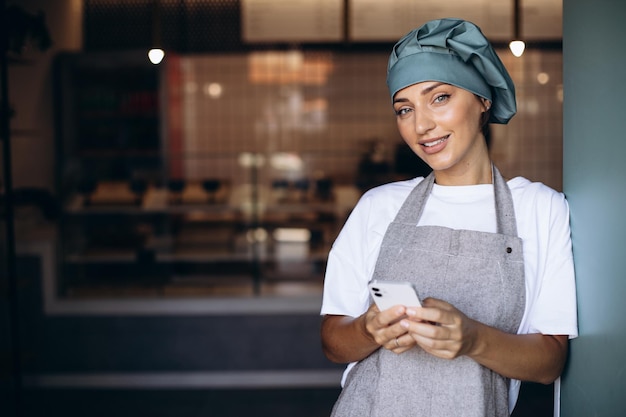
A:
(455, 52)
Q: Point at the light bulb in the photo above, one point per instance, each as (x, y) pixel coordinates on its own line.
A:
(517, 48)
(156, 55)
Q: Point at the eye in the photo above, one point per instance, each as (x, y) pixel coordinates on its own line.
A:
(402, 111)
(441, 98)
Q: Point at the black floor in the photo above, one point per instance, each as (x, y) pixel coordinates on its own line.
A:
(197, 403)
(535, 401)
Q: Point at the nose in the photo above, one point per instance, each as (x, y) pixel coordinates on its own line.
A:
(424, 122)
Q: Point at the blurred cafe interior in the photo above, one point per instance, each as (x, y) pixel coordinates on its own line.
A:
(166, 220)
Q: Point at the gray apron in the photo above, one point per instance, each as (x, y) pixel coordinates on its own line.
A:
(481, 274)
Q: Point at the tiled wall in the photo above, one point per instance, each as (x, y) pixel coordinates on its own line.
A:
(314, 114)
(531, 145)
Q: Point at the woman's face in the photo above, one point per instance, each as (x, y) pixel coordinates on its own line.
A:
(441, 124)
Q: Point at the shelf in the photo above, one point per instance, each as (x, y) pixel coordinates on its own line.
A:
(159, 200)
(106, 153)
(199, 256)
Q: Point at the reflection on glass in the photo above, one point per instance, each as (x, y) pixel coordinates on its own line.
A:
(232, 174)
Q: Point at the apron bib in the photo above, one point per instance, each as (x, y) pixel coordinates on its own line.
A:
(481, 274)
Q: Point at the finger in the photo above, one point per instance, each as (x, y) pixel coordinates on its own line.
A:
(422, 329)
(390, 343)
(436, 340)
(392, 315)
(436, 303)
(440, 348)
(430, 315)
(404, 342)
(384, 326)
(400, 344)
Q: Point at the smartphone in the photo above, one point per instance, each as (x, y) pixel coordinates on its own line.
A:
(387, 294)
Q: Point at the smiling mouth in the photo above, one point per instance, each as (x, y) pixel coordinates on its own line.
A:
(436, 142)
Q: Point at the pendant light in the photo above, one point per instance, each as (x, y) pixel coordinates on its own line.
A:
(517, 45)
(156, 54)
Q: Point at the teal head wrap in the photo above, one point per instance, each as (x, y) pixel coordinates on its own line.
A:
(453, 51)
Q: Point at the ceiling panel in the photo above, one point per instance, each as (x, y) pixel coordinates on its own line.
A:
(375, 20)
(388, 20)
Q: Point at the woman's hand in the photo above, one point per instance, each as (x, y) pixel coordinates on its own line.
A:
(386, 329)
(440, 329)
(350, 339)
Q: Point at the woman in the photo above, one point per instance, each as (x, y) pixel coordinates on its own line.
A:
(491, 259)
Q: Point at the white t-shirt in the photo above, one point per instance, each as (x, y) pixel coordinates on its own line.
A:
(542, 216)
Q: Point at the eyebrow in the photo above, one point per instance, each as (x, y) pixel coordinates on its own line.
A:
(423, 92)
(431, 88)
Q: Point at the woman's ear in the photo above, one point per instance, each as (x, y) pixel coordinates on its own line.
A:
(486, 104)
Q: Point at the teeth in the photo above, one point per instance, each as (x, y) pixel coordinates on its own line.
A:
(437, 142)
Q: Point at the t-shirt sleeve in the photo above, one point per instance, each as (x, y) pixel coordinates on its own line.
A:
(554, 310)
(345, 290)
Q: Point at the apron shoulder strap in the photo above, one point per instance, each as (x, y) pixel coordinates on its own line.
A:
(412, 208)
(505, 210)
